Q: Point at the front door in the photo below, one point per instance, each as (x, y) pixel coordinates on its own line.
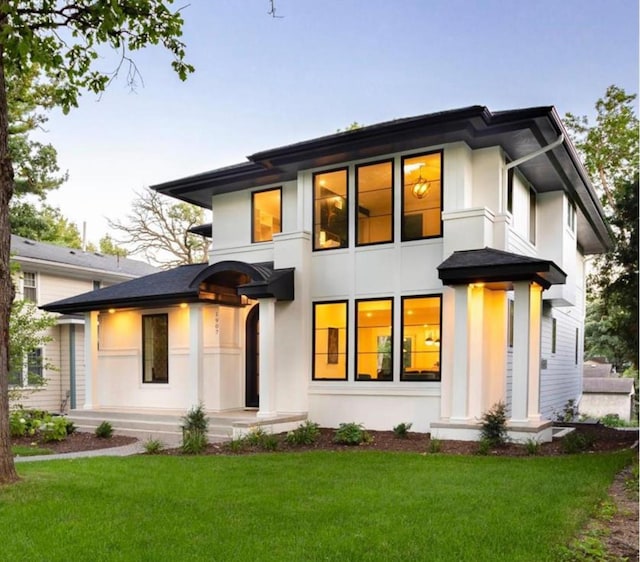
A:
(252, 348)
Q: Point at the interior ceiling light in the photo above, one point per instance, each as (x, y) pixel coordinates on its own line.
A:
(421, 187)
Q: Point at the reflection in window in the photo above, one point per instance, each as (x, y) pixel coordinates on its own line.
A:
(330, 340)
(330, 210)
(421, 321)
(374, 359)
(375, 202)
(155, 348)
(267, 213)
(422, 196)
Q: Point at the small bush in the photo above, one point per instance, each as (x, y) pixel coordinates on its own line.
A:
(193, 442)
(104, 430)
(401, 431)
(494, 425)
(236, 445)
(194, 431)
(484, 446)
(569, 412)
(306, 433)
(575, 442)
(71, 427)
(352, 434)
(532, 446)
(17, 424)
(435, 445)
(153, 446)
(258, 437)
(54, 429)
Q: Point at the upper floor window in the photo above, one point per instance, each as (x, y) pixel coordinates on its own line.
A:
(29, 287)
(571, 216)
(374, 190)
(330, 210)
(374, 356)
(421, 321)
(422, 196)
(155, 348)
(330, 340)
(96, 285)
(267, 214)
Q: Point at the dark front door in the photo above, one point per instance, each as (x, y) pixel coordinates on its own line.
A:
(252, 347)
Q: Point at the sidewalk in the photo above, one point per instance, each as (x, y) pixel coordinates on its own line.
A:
(125, 451)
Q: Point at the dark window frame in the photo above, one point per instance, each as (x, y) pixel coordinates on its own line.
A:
(358, 207)
(155, 379)
(357, 328)
(533, 215)
(510, 320)
(554, 335)
(313, 341)
(510, 173)
(253, 209)
(419, 378)
(344, 169)
(403, 236)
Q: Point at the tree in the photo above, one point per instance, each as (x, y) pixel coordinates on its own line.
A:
(62, 40)
(109, 247)
(610, 151)
(158, 230)
(46, 224)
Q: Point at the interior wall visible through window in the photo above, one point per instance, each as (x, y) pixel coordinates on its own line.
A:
(155, 348)
(421, 338)
(374, 205)
(267, 214)
(374, 339)
(422, 196)
(330, 210)
(330, 340)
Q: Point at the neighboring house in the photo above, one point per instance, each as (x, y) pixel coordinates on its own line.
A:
(603, 396)
(50, 272)
(597, 369)
(418, 270)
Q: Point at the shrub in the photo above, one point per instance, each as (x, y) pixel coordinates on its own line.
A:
(532, 446)
(352, 434)
(55, 429)
(402, 430)
(305, 434)
(484, 446)
(494, 425)
(236, 445)
(569, 412)
(575, 442)
(71, 427)
(258, 437)
(17, 424)
(153, 446)
(435, 445)
(104, 430)
(193, 442)
(194, 430)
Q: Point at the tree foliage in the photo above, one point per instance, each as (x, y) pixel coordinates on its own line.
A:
(158, 229)
(61, 43)
(45, 223)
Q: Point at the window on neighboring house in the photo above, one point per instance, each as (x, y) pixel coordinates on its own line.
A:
(422, 196)
(30, 372)
(96, 285)
(374, 204)
(510, 323)
(532, 216)
(554, 334)
(267, 214)
(421, 322)
(29, 287)
(374, 340)
(330, 210)
(155, 348)
(330, 340)
(571, 216)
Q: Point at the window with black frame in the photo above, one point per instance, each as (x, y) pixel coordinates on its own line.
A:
(155, 348)
(330, 210)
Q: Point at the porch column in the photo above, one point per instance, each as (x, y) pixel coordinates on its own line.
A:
(267, 369)
(459, 386)
(90, 359)
(477, 348)
(525, 388)
(195, 353)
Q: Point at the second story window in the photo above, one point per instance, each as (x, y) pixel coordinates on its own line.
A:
(422, 196)
(330, 210)
(267, 214)
(571, 216)
(29, 287)
(374, 189)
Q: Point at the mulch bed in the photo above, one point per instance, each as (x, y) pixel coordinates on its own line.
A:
(78, 441)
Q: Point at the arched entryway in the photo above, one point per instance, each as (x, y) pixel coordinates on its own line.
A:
(252, 362)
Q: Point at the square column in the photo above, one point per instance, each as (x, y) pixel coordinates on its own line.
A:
(267, 407)
(90, 359)
(196, 354)
(459, 382)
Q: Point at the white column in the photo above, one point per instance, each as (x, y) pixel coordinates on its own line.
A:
(535, 306)
(90, 359)
(267, 407)
(459, 386)
(523, 357)
(195, 353)
(476, 349)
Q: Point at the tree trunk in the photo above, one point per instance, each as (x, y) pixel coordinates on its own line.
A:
(8, 472)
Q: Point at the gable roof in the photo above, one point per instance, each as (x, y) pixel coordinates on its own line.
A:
(25, 250)
(607, 385)
(519, 132)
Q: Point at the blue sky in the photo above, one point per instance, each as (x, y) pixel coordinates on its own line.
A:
(262, 82)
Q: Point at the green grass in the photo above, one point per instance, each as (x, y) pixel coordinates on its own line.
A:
(27, 451)
(360, 505)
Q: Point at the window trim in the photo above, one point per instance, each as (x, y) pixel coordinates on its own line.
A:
(34, 287)
(357, 198)
(154, 381)
(24, 369)
(356, 329)
(313, 341)
(346, 170)
(440, 151)
(252, 225)
(403, 299)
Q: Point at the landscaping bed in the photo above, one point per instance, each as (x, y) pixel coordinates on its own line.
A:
(77, 441)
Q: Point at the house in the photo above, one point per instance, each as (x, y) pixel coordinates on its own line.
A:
(49, 272)
(603, 396)
(418, 270)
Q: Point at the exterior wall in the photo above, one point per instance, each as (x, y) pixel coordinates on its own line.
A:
(599, 405)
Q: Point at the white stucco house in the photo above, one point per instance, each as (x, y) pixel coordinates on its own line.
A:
(48, 272)
(418, 270)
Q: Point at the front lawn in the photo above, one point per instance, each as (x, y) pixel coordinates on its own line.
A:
(357, 505)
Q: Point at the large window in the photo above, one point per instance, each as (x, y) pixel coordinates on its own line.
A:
(267, 214)
(155, 348)
(29, 372)
(374, 184)
(422, 196)
(421, 321)
(330, 210)
(330, 340)
(374, 355)
(29, 287)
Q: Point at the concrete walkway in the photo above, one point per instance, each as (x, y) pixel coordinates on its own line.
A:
(124, 451)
